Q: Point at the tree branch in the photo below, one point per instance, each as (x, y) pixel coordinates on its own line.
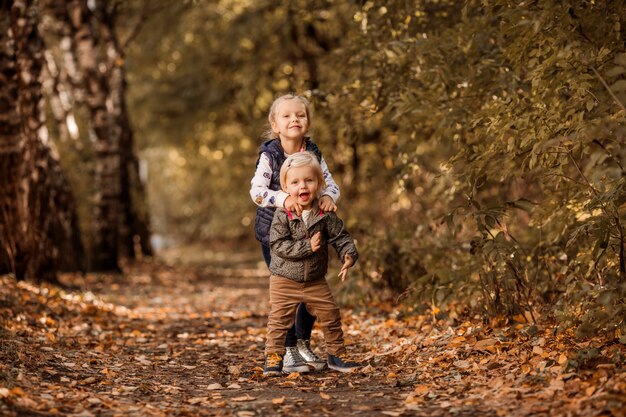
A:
(602, 80)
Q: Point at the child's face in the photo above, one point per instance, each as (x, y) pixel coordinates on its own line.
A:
(290, 120)
(302, 184)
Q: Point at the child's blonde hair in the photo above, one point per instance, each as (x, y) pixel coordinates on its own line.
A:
(302, 159)
(269, 133)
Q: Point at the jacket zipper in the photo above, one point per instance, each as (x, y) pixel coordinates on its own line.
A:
(306, 262)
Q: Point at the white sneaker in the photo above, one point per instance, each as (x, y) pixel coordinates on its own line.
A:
(293, 362)
(304, 348)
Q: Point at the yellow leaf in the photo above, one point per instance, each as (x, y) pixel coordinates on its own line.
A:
(392, 375)
(325, 396)
(278, 401)
(293, 375)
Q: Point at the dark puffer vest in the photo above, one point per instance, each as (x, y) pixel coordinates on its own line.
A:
(276, 154)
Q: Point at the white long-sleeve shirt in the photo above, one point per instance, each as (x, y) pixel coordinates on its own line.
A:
(264, 197)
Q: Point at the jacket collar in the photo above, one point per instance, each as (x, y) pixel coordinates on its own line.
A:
(316, 214)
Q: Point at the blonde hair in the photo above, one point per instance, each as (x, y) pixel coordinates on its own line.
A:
(303, 159)
(269, 133)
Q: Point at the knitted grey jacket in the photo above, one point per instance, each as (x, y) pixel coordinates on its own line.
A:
(291, 250)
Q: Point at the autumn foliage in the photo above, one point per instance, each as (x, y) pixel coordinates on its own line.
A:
(479, 147)
(163, 340)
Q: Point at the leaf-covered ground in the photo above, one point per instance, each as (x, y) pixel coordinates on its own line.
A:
(184, 341)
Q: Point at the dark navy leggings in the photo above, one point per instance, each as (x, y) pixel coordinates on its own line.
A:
(304, 320)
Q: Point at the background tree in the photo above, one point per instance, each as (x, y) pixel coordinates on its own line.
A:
(92, 62)
(38, 212)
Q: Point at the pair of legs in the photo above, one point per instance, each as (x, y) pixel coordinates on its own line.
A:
(304, 321)
(285, 296)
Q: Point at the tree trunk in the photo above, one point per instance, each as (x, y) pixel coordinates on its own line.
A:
(11, 145)
(99, 82)
(37, 205)
(107, 136)
(134, 221)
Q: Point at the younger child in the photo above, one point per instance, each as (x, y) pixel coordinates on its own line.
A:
(299, 262)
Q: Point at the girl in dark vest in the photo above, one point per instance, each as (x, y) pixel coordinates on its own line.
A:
(289, 119)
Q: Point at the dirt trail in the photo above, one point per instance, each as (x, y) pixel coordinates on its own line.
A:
(188, 341)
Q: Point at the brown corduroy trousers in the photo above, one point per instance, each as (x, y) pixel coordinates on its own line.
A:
(285, 295)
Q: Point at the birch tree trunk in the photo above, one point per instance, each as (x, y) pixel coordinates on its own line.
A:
(38, 210)
(133, 226)
(87, 30)
(106, 137)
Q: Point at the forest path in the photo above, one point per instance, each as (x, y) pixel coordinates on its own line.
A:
(188, 341)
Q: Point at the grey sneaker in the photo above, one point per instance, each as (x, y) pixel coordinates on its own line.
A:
(293, 362)
(304, 348)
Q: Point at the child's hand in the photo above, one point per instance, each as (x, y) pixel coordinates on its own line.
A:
(327, 204)
(347, 263)
(316, 242)
(292, 205)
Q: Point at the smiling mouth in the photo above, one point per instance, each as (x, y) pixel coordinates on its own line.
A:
(304, 196)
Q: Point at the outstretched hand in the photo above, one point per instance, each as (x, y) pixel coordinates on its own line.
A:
(327, 204)
(347, 263)
(292, 205)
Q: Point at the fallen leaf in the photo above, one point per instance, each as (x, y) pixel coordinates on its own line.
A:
(393, 413)
(368, 369)
(197, 400)
(244, 398)
(421, 389)
(278, 401)
(325, 396)
(485, 344)
(215, 386)
(463, 364)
